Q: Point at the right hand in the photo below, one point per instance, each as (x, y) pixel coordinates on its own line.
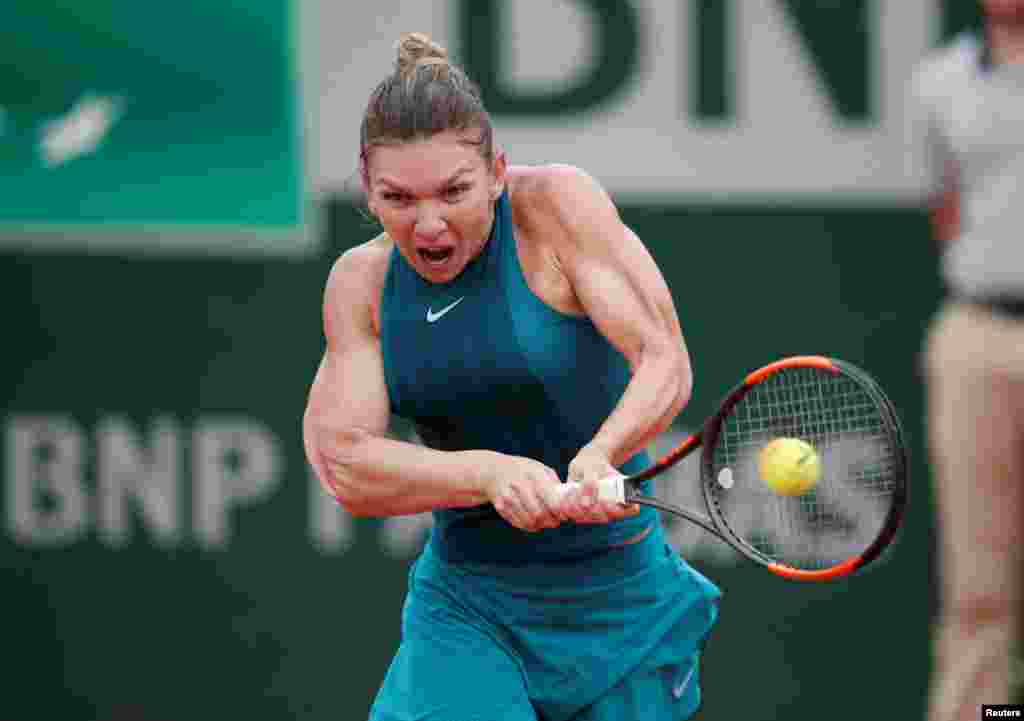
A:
(525, 493)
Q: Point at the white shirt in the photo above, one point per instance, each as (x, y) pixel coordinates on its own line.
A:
(974, 116)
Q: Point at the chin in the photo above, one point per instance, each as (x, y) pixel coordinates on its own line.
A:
(444, 274)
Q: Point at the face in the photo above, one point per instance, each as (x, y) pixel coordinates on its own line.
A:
(435, 199)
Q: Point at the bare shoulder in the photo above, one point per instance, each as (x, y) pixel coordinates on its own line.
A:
(546, 197)
(547, 186)
(356, 281)
(557, 194)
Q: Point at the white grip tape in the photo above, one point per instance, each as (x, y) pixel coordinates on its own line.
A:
(610, 489)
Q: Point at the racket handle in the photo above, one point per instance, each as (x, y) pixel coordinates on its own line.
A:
(610, 489)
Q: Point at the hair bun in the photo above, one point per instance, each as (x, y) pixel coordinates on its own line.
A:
(415, 49)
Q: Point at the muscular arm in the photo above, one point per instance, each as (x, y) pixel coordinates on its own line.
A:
(625, 295)
(346, 419)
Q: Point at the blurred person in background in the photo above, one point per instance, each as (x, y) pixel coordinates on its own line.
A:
(527, 332)
(971, 93)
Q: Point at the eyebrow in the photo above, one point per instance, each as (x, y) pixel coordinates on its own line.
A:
(451, 179)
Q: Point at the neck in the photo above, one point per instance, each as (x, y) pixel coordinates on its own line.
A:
(1007, 42)
(487, 236)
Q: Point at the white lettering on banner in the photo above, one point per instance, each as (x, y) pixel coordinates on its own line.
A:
(234, 461)
(141, 479)
(404, 536)
(784, 137)
(331, 527)
(147, 476)
(49, 500)
(559, 63)
(45, 500)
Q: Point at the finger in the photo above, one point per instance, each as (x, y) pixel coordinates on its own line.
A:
(585, 504)
(566, 498)
(618, 512)
(551, 498)
(570, 500)
(576, 471)
(508, 508)
(528, 505)
(532, 509)
(604, 510)
(582, 504)
(551, 495)
(549, 516)
(594, 510)
(558, 499)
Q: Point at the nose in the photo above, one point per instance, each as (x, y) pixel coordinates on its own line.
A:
(430, 223)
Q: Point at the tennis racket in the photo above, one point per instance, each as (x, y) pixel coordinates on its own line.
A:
(842, 523)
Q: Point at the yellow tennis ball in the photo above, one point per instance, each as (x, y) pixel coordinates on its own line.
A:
(790, 466)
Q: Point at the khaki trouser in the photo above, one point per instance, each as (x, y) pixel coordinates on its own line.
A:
(975, 365)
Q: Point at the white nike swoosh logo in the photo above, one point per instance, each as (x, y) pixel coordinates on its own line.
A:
(433, 317)
(678, 689)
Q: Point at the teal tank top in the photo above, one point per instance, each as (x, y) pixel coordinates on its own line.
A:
(481, 362)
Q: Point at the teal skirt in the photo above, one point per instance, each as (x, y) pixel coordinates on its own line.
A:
(475, 636)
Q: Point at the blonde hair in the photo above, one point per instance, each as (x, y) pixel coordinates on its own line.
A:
(424, 95)
(416, 50)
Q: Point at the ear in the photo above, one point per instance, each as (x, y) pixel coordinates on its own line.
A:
(498, 174)
(371, 203)
(364, 180)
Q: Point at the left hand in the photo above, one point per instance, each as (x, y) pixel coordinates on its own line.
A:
(582, 505)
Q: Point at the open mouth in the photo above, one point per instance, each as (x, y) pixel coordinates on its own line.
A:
(436, 256)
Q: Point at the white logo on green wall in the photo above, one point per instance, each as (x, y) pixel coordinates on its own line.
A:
(720, 100)
(80, 132)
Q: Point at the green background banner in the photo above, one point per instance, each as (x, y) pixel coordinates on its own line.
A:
(261, 621)
(164, 552)
(182, 120)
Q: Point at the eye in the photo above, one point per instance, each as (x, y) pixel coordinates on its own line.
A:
(394, 197)
(457, 190)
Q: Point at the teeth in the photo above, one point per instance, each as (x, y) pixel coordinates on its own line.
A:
(436, 256)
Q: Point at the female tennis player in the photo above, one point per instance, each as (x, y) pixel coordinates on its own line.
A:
(526, 331)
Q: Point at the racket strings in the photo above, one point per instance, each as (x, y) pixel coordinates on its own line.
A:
(847, 508)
